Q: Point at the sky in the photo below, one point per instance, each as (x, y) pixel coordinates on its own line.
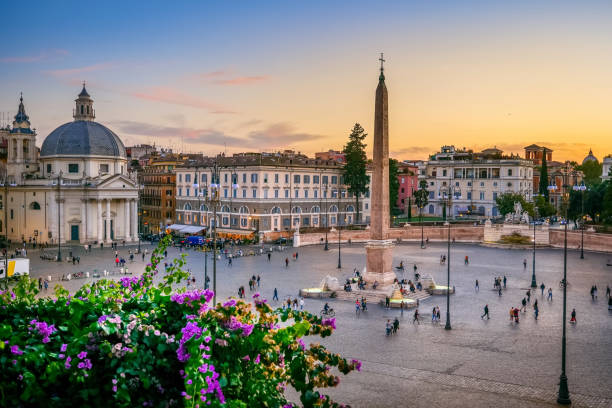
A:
(210, 77)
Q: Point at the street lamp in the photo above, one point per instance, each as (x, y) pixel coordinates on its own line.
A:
(533, 276)
(582, 188)
(59, 214)
(338, 222)
(447, 193)
(214, 199)
(326, 218)
(563, 395)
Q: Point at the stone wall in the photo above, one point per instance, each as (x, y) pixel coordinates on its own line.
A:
(493, 233)
(592, 240)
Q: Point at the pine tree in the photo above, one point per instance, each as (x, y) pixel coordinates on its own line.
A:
(355, 176)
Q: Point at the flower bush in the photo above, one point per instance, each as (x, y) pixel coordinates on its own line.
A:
(136, 343)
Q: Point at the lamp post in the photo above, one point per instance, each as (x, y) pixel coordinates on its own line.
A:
(59, 213)
(6, 201)
(326, 218)
(563, 396)
(582, 189)
(533, 276)
(447, 193)
(140, 216)
(213, 199)
(422, 230)
(339, 237)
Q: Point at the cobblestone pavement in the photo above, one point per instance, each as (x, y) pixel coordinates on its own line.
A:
(477, 363)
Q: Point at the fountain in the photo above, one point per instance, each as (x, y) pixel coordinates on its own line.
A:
(328, 285)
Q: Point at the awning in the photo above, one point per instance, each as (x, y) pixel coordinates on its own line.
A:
(191, 229)
(176, 227)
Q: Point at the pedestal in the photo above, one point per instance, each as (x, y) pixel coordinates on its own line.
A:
(379, 262)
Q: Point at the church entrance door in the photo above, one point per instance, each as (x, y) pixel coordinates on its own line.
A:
(74, 232)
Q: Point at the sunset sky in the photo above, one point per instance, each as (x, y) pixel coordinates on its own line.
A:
(252, 76)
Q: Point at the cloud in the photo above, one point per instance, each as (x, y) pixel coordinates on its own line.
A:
(42, 56)
(61, 73)
(412, 150)
(175, 97)
(226, 77)
(243, 80)
(274, 136)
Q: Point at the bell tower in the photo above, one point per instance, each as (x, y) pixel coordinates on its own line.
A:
(84, 106)
(22, 154)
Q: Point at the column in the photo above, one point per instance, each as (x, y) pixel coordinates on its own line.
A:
(19, 150)
(134, 218)
(99, 230)
(83, 227)
(108, 221)
(128, 237)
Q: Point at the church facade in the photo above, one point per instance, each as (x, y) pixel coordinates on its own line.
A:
(77, 190)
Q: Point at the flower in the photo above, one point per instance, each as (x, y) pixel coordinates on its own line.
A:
(63, 348)
(15, 350)
(82, 355)
(67, 363)
(357, 364)
(329, 322)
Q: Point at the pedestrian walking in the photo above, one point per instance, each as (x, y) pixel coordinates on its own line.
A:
(258, 280)
(486, 312)
(550, 294)
(499, 291)
(402, 308)
(269, 256)
(607, 291)
(528, 293)
(416, 317)
(467, 260)
(524, 305)
(505, 280)
(477, 287)
(388, 327)
(387, 302)
(573, 318)
(301, 303)
(395, 325)
(433, 315)
(536, 309)
(286, 262)
(524, 263)
(229, 262)
(46, 284)
(542, 287)
(275, 297)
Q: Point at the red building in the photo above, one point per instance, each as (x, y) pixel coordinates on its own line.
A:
(408, 177)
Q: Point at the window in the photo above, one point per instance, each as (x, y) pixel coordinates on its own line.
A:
(306, 179)
(494, 196)
(444, 173)
(402, 182)
(168, 193)
(482, 184)
(265, 193)
(315, 179)
(286, 193)
(366, 206)
(187, 191)
(243, 222)
(275, 193)
(34, 206)
(305, 193)
(325, 180)
(243, 178)
(334, 179)
(187, 179)
(509, 184)
(266, 178)
(402, 190)
(469, 195)
(225, 193)
(11, 213)
(456, 184)
(104, 168)
(180, 191)
(296, 179)
(296, 193)
(495, 184)
(431, 195)
(316, 194)
(180, 178)
(243, 193)
(254, 193)
(509, 172)
(204, 178)
(482, 195)
(49, 168)
(469, 184)
(254, 178)
(286, 178)
(276, 177)
(73, 168)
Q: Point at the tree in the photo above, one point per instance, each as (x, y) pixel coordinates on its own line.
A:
(545, 208)
(409, 212)
(543, 187)
(505, 202)
(607, 203)
(355, 168)
(393, 183)
(592, 172)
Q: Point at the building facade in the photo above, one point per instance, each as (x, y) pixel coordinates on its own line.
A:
(157, 189)
(79, 192)
(408, 178)
(266, 192)
(475, 180)
(606, 169)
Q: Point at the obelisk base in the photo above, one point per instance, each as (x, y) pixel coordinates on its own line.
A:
(379, 262)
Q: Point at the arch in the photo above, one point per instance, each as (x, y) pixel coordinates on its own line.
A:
(315, 209)
(203, 207)
(34, 205)
(350, 208)
(225, 209)
(431, 209)
(276, 210)
(296, 210)
(333, 209)
(244, 210)
(187, 207)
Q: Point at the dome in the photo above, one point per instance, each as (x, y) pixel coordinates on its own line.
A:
(590, 157)
(83, 138)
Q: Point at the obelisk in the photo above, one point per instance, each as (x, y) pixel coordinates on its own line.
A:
(379, 249)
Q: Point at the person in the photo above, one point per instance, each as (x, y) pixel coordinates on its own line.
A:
(433, 315)
(295, 304)
(301, 303)
(437, 311)
(357, 307)
(416, 316)
(516, 315)
(499, 290)
(524, 263)
(607, 291)
(275, 297)
(46, 284)
(286, 262)
(528, 293)
(486, 312)
(595, 291)
(388, 327)
(325, 307)
(269, 256)
(401, 265)
(467, 261)
(364, 305)
(542, 287)
(387, 302)
(143, 256)
(402, 308)
(550, 294)
(258, 280)
(524, 305)
(395, 325)
(573, 318)
(476, 286)
(536, 309)
(296, 256)
(505, 280)
(415, 269)
(229, 262)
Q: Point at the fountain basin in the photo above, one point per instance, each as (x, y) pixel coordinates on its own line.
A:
(315, 293)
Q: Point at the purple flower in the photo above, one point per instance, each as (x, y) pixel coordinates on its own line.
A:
(82, 355)
(102, 318)
(246, 358)
(67, 363)
(329, 322)
(61, 356)
(236, 324)
(257, 359)
(64, 348)
(15, 350)
(357, 364)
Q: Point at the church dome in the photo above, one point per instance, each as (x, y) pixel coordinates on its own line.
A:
(82, 138)
(590, 157)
